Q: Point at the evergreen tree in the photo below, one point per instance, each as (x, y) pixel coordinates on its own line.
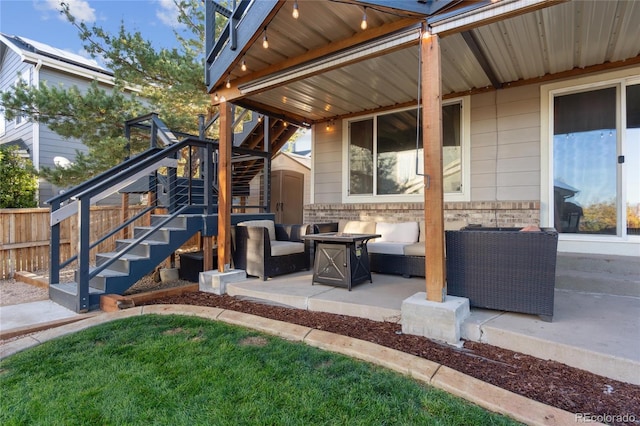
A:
(166, 81)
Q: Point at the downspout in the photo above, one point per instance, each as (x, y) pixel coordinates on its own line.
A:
(35, 129)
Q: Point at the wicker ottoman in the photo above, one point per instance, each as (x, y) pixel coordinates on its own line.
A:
(192, 263)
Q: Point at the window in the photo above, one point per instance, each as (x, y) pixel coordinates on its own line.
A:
(385, 155)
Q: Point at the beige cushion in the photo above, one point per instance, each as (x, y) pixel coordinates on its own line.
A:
(416, 249)
(402, 232)
(356, 227)
(271, 227)
(454, 225)
(280, 248)
(386, 248)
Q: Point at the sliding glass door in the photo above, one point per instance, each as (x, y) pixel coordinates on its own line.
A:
(596, 161)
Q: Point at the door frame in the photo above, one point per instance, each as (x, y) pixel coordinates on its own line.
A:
(627, 245)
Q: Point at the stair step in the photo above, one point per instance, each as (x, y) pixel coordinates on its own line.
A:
(72, 288)
(110, 273)
(66, 294)
(163, 234)
(598, 282)
(614, 265)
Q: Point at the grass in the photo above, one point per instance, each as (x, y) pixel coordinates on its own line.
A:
(177, 370)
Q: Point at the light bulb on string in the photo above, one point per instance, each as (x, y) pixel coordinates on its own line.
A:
(363, 24)
(265, 42)
(243, 67)
(296, 12)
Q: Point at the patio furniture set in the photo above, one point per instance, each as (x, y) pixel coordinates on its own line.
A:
(506, 269)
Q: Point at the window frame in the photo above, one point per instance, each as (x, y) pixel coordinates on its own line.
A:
(465, 151)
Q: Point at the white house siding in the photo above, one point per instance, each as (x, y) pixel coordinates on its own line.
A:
(327, 164)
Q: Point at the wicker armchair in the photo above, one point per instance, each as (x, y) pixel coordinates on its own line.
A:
(503, 268)
(255, 249)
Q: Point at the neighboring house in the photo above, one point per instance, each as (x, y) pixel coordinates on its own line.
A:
(540, 107)
(35, 63)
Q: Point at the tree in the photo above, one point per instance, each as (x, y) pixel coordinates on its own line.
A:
(166, 81)
(18, 180)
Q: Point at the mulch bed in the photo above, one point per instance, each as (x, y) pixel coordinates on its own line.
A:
(549, 382)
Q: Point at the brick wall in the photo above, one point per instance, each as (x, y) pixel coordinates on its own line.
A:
(456, 214)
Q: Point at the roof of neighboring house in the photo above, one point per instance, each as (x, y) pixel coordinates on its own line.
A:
(23, 149)
(35, 52)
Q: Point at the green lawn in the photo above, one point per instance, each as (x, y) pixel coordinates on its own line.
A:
(172, 370)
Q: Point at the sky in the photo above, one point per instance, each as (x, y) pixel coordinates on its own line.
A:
(40, 20)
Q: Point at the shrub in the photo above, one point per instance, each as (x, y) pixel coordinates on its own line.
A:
(18, 180)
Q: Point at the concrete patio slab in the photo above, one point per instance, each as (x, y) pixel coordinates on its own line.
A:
(32, 313)
(292, 290)
(591, 331)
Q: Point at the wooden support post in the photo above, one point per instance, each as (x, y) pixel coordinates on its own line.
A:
(207, 250)
(433, 193)
(125, 214)
(224, 185)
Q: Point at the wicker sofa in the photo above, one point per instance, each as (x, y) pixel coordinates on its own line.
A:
(399, 251)
(266, 249)
(503, 268)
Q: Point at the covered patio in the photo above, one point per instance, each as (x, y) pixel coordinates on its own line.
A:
(333, 65)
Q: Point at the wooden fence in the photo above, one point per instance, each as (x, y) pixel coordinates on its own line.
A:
(25, 236)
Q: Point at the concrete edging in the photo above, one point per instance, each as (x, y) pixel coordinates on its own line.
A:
(485, 395)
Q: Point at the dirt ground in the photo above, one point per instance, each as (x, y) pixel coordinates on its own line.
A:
(546, 381)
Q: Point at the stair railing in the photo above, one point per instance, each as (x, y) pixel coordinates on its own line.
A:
(79, 200)
(157, 169)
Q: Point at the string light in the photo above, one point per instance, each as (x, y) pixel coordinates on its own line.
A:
(216, 97)
(243, 67)
(265, 42)
(296, 12)
(426, 34)
(228, 85)
(363, 24)
(329, 125)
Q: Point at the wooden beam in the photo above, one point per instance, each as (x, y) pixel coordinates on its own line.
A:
(125, 214)
(224, 190)
(431, 81)
(322, 52)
